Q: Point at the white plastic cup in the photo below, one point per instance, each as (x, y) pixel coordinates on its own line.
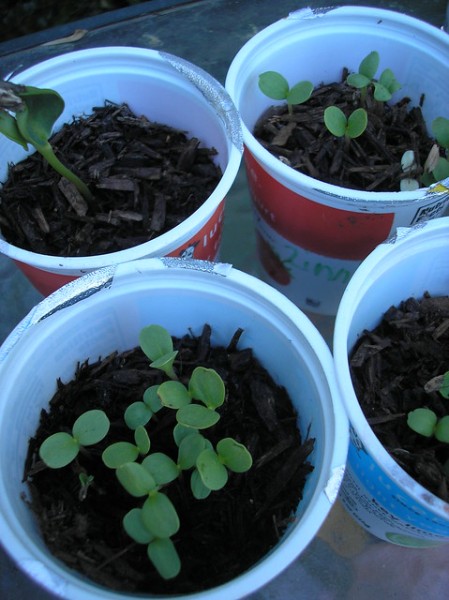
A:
(376, 491)
(312, 235)
(165, 89)
(103, 312)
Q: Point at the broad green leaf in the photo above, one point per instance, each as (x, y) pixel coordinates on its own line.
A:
(155, 341)
(151, 399)
(136, 480)
(358, 81)
(441, 171)
(212, 471)
(8, 126)
(444, 388)
(118, 454)
(389, 81)
(91, 427)
(142, 440)
(162, 467)
(135, 527)
(173, 394)
(422, 420)
(335, 121)
(58, 450)
(137, 414)
(189, 449)
(197, 416)
(300, 92)
(207, 386)
(381, 93)
(160, 516)
(199, 490)
(234, 455)
(180, 432)
(442, 430)
(274, 85)
(369, 65)
(165, 558)
(40, 110)
(357, 122)
(440, 129)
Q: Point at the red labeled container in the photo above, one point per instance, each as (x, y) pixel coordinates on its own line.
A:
(311, 235)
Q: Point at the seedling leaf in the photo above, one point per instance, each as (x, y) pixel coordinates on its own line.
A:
(274, 85)
(357, 80)
(58, 450)
(422, 420)
(199, 490)
(162, 468)
(442, 430)
(441, 170)
(444, 388)
(137, 413)
(155, 341)
(440, 129)
(165, 558)
(212, 471)
(189, 450)
(207, 386)
(197, 417)
(173, 394)
(300, 92)
(335, 120)
(160, 516)
(142, 440)
(135, 528)
(118, 454)
(357, 122)
(369, 65)
(8, 126)
(91, 427)
(234, 455)
(136, 480)
(151, 399)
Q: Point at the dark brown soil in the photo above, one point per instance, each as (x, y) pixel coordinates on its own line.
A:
(145, 177)
(390, 367)
(221, 536)
(371, 162)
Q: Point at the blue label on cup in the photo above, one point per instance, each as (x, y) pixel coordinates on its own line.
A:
(383, 508)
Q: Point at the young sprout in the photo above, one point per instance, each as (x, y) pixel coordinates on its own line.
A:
(409, 166)
(436, 167)
(275, 86)
(157, 344)
(120, 453)
(85, 482)
(384, 88)
(425, 422)
(61, 448)
(348, 127)
(36, 111)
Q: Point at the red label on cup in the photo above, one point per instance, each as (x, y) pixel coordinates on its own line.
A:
(314, 226)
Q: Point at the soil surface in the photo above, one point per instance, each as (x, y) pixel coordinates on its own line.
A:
(220, 536)
(145, 178)
(390, 367)
(371, 162)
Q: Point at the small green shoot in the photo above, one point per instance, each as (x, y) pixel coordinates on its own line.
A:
(275, 86)
(424, 420)
(196, 403)
(384, 88)
(436, 167)
(36, 111)
(61, 448)
(348, 127)
(85, 482)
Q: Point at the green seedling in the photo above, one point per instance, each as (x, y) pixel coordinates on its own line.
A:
(61, 448)
(348, 127)
(275, 86)
(384, 88)
(436, 167)
(424, 420)
(85, 482)
(156, 520)
(36, 111)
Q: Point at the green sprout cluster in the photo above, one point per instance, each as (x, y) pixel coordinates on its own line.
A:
(424, 420)
(36, 111)
(144, 474)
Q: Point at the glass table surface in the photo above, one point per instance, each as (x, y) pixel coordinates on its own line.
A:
(343, 561)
